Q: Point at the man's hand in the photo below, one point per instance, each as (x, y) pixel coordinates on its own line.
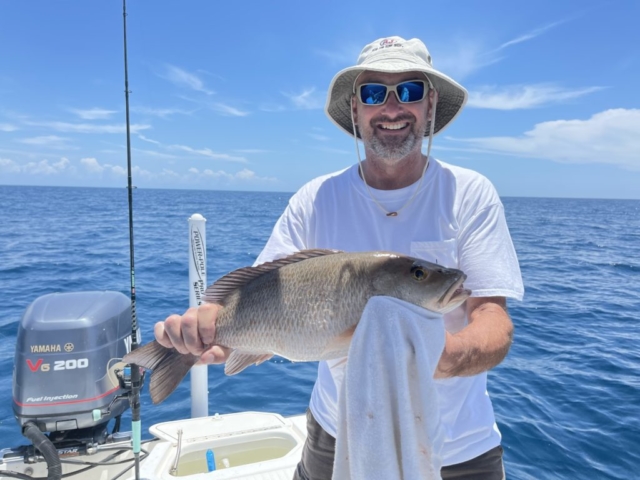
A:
(193, 332)
(482, 344)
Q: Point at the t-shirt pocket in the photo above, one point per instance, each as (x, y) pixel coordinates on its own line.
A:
(442, 252)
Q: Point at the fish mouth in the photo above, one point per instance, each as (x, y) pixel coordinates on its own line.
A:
(456, 293)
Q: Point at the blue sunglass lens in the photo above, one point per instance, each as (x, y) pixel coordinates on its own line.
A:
(410, 91)
(375, 94)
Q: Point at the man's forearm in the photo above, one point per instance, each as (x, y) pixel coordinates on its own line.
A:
(482, 344)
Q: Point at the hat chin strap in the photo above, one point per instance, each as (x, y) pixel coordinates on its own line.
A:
(426, 164)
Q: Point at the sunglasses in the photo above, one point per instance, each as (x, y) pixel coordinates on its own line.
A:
(406, 92)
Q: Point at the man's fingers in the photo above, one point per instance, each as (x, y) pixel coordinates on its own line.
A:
(207, 314)
(173, 329)
(215, 354)
(161, 335)
(191, 332)
(189, 328)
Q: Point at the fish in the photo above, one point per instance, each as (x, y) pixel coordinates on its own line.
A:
(303, 307)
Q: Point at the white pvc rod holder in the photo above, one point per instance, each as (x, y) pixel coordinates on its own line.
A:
(197, 285)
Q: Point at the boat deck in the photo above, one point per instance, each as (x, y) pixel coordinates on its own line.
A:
(244, 446)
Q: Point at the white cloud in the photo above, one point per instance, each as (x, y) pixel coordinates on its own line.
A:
(206, 152)
(44, 140)
(7, 127)
(219, 107)
(529, 35)
(251, 150)
(43, 167)
(159, 112)
(9, 166)
(169, 173)
(344, 55)
(463, 56)
(523, 96)
(118, 170)
(153, 153)
(610, 137)
(320, 138)
(214, 75)
(197, 101)
(220, 174)
(93, 113)
(51, 141)
(228, 110)
(245, 175)
(142, 137)
(182, 78)
(308, 99)
(87, 127)
(65, 166)
(272, 107)
(92, 165)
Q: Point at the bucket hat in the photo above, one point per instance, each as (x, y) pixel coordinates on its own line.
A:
(394, 55)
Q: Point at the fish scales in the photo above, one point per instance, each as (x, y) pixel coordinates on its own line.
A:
(296, 310)
(304, 307)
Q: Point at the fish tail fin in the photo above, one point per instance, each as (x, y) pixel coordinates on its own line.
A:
(148, 356)
(168, 375)
(168, 365)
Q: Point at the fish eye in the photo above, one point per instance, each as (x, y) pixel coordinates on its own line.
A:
(418, 273)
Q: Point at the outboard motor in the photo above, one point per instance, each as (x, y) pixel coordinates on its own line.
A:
(69, 378)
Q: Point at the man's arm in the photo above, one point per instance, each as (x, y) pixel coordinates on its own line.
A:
(482, 344)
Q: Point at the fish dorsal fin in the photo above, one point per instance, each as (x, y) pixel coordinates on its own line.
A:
(221, 289)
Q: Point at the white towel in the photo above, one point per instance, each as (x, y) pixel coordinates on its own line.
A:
(388, 425)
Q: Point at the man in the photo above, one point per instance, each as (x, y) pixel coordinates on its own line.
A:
(401, 200)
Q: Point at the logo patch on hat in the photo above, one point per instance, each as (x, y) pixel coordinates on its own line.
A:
(387, 41)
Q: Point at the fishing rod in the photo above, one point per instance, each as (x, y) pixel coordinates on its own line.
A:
(134, 396)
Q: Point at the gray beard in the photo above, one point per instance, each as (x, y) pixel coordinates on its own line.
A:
(393, 148)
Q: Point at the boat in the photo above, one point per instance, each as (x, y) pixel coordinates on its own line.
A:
(79, 336)
(242, 446)
(73, 423)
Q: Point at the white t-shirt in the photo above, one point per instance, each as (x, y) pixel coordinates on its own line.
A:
(455, 220)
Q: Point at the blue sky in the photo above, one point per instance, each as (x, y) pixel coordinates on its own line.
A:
(230, 95)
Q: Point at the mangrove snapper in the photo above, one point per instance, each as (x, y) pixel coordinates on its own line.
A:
(304, 307)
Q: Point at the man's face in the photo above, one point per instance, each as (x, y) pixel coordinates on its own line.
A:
(394, 129)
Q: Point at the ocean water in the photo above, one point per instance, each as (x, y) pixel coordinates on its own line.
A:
(567, 398)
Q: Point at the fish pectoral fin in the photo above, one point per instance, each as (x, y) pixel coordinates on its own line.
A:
(338, 346)
(239, 360)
